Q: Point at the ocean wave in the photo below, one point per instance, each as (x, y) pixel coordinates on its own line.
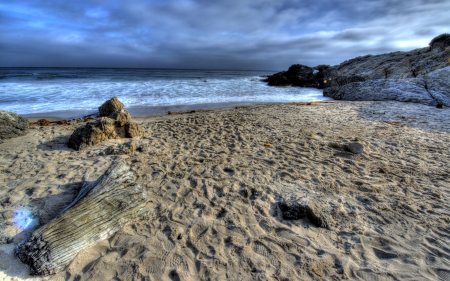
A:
(60, 90)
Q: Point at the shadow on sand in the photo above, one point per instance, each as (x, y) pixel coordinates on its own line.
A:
(58, 143)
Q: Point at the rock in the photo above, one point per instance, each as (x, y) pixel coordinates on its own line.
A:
(398, 65)
(297, 75)
(430, 89)
(335, 85)
(104, 129)
(393, 73)
(12, 125)
(121, 116)
(133, 130)
(322, 76)
(93, 133)
(278, 79)
(437, 83)
(355, 147)
(314, 210)
(110, 106)
(440, 42)
(116, 125)
(381, 90)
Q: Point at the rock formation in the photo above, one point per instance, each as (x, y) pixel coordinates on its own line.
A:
(398, 65)
(117, 125)
(12, 125)
(110, 106)
(431, 89)
(419, 75)
(296, 75)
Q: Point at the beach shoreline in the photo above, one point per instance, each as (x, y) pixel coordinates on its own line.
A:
(77, 92)
(150, 111)
(222, 174)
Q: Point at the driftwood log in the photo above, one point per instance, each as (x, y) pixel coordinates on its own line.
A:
(100, 209)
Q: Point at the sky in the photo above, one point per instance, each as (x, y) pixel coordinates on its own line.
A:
(212, 34)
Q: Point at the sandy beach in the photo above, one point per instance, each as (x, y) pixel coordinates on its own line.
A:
(220, 175)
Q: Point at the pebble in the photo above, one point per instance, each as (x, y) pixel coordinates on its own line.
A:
(355, 147)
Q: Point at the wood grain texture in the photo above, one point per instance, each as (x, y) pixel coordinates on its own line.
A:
(101, 208)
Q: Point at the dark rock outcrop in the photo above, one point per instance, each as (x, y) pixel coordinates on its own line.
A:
(117, 125)
(299, 75)
(12, 125)
(440, 42)
(110, 106)
(335, 84)
(419, 75)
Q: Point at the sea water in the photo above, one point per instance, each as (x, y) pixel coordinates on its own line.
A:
(76, 92)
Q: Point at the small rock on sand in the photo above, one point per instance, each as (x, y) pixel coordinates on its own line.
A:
(355, 147)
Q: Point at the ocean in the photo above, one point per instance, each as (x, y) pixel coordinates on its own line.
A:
(76, 92)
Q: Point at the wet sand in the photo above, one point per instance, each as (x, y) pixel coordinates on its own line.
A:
(221, 175)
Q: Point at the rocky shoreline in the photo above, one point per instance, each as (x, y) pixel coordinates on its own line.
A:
(421, 76)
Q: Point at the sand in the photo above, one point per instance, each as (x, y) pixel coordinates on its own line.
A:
(221, 174)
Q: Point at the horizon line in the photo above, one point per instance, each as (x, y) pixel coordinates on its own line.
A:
(152, 68)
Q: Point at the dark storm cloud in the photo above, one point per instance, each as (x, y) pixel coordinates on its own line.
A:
(258, 34)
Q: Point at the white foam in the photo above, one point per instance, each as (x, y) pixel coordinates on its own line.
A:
(88, 94)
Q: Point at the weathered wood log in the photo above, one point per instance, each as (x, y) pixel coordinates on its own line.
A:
(100, 209)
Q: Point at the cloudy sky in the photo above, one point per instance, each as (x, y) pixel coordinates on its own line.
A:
(219, 34)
